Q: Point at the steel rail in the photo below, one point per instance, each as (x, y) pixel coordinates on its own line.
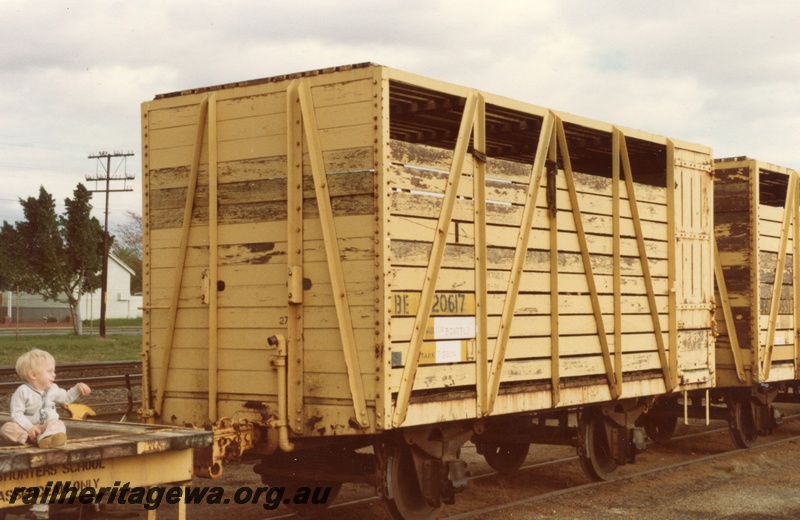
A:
(125, 367)
(592, 485)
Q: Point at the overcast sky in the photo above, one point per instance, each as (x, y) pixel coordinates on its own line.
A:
(74, 73)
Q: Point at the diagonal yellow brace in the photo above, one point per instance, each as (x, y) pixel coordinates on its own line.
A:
(332, 253)
(727, 312)
(616, 234)
(555, 350)
(519, 262)
(648, 279)
(788, 213)
(435, 261)
(614, 386)
(181, 260)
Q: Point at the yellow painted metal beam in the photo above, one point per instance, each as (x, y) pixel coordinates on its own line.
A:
(481, 264)
(181, 259)
(295, 258)
(383, 251)
(672, 260)
(334, 259)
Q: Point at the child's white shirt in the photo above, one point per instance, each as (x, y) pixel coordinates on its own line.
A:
(30, 407)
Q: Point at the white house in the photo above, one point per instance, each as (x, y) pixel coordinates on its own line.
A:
(120, 303)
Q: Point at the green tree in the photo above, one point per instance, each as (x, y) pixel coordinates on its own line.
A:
(127, 246)
(58, 257)
(8, 275)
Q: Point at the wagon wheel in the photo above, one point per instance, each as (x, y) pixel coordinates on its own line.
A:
(594, 448)
(505, 458)
(741, 422)
(405, 500)
(660, 428)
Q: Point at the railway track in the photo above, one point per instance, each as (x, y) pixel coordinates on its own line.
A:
(559, 479)
(541, 497)
(98, 375)
(112, 384)
(73, 369)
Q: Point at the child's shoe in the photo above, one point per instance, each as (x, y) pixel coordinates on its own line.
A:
(53, 441)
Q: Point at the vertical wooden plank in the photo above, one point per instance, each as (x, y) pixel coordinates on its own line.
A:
(756, 351)
(697, 262)
(435, 262)
(613, 385)
(332, 253)
(616, 153)
(796, 271)
(295, 345)
(147, 247)
(213, 252)
(684, 227)
(181, 260)
(673, 205)
(481, 291)
(383, 397)
(708, 227)
(552, 172)
(518, 264)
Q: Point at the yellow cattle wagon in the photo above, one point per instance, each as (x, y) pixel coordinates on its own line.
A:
(362, 256)
(756, 236)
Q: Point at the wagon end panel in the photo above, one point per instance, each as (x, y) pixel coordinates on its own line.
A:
(287, 249)
(693, 286)
(762, 302)
(735, 235)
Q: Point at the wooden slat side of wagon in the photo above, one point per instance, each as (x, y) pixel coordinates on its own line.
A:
(755, 227)
(420, 255)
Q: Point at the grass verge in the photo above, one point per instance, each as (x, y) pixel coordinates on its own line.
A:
(114, 322)
(67, 348)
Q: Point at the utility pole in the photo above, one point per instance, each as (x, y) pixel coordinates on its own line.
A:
(107, 178)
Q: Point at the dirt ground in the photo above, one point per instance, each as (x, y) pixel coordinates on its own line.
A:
(760, 483)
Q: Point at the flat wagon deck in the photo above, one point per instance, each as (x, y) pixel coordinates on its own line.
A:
(101, 454)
